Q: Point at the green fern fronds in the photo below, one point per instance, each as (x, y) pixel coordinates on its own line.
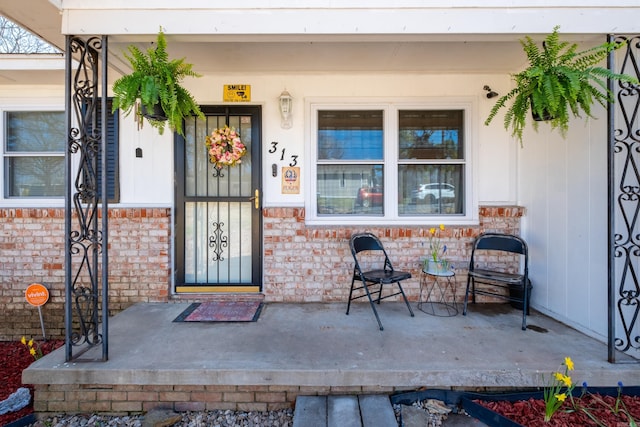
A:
(156, 80)
(560, 82)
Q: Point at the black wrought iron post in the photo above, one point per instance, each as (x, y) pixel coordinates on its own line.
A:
(86, 213)
(624, 203)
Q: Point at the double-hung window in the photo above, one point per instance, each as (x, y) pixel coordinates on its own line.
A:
(34, 144)
(33, 154)
(384, 163)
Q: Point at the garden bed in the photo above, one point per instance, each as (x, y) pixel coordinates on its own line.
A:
(14, 358)
(526, 409)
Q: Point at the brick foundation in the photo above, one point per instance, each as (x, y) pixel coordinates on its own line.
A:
(301, 263)
(130, 399)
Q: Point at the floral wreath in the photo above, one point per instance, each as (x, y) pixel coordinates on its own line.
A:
(225, 147)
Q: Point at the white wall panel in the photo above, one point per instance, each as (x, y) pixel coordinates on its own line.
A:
(563, 186)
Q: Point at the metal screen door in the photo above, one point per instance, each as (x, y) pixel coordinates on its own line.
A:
(217, 218)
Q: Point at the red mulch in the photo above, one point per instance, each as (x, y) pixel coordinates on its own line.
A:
(14, 357)
(530, 413)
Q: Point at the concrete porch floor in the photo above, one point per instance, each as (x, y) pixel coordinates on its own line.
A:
(317, 345)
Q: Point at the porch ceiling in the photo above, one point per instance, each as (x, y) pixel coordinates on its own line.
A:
(285, 51)
(339, 56)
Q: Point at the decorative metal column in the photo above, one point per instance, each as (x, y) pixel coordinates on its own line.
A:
(86, 213)
(624, 203)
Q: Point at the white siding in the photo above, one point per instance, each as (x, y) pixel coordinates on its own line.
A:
(563, 187)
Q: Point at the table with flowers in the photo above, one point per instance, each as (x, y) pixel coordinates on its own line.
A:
(437, 279)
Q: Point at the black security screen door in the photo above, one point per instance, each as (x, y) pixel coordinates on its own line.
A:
(217, 219)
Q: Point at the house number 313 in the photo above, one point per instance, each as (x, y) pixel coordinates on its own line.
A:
(274, 150)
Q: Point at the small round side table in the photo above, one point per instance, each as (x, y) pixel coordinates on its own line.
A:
(435, 285)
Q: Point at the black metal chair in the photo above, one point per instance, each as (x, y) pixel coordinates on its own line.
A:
(514, 278)
(384, 274)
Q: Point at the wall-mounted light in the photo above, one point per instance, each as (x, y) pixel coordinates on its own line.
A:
(286, 104)
(490, 94)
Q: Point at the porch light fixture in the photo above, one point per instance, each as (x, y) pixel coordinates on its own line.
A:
(490, 93)
(286, 104)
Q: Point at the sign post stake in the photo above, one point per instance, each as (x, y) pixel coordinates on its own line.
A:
(37, 295)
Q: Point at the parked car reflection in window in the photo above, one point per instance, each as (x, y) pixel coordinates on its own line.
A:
(369, 196)
(434, 193)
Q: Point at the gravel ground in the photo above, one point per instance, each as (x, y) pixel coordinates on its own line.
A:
(435, 411)
(282, 418)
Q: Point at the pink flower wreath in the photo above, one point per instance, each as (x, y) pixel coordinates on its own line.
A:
(225, 147)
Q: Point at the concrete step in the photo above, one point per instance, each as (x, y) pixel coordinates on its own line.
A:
(344, 411)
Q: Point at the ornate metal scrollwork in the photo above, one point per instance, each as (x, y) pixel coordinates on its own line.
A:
(85, 234)
(217, 173)
(218, 241)
(626, 194)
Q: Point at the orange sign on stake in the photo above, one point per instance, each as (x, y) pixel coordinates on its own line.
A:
(37, 294)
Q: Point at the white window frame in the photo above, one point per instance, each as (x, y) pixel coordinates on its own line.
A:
(390, 107)
(11, 201)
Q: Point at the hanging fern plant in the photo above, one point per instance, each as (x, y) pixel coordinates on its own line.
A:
(560, 82)
(155, 82)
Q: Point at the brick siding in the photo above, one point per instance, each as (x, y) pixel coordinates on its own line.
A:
(32, 250)
(133, 398)
(314, 263)
(301, 263)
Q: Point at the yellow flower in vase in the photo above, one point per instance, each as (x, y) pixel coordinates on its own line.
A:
(436, 261)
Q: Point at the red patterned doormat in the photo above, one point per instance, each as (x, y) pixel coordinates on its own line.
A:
(221, 311)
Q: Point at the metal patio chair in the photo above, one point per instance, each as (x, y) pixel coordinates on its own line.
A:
(381, 273)
(512, 277)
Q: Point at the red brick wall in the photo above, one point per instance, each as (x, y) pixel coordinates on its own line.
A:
(32, 250)
(301, 263)
(314, 263)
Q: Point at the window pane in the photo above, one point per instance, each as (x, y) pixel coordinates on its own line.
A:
(35, 131)
(431, 134)
(350, 189)
(430, 189)
(350, 135)
(34, 176)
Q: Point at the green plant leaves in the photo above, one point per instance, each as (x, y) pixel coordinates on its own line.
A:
(156, 80)
(560, 82)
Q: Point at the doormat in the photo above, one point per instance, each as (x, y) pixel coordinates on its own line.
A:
(221, 311)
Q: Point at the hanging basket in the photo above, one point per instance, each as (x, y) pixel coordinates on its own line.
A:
(156, 114)
(545, 117)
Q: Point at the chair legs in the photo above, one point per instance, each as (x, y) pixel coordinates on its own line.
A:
(525, 303)
(406, 301)
(466, 296)
(377, 300)
(366, 289)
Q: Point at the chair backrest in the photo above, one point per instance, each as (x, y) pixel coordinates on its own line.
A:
(360, 242)
(501, 242)
(364, 242)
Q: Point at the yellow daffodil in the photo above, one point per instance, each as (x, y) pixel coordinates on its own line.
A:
(553, 395)
(32, 351)
(565, 379)
(31, 342)
(569, 363)
(432, 230)
(23, 341)
(442, 227)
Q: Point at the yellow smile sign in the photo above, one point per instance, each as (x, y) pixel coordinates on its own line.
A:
(236, 93)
